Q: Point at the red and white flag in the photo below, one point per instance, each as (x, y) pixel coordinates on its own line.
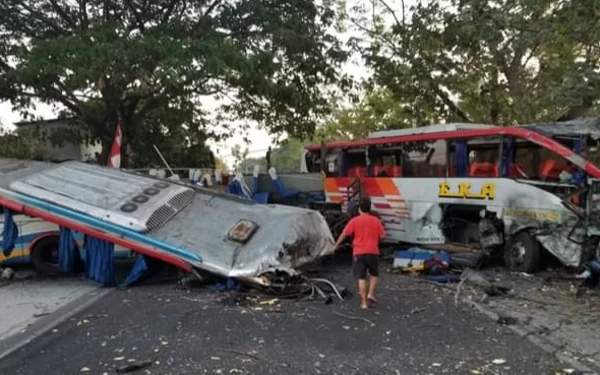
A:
(114, 159)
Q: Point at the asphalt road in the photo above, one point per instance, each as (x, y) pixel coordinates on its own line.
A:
(416, 329)
(28, 298)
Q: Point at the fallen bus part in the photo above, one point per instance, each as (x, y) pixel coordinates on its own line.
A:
(184, 225)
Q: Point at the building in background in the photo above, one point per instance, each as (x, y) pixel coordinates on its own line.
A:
(59, 137)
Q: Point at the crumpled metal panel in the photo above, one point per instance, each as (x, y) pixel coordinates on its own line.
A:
(286, 238)
(557, 243)
(584, 126)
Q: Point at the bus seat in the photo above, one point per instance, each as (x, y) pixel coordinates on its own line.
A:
(357, 172)
(551, 169)
(387, 169)
(396, 171)
(452, 170)
(378, 169)
(483, 170)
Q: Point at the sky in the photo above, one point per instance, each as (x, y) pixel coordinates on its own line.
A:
(260, 140)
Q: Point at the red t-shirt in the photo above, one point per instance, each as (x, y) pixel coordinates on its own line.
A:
(367, 231)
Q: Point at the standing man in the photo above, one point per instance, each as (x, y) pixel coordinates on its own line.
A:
(368, 232)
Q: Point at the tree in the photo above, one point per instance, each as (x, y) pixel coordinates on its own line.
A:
(220, 164)
(379, 110)
(19, 147)
(152, 64)
(240, 157)
(490, 61)
(286, 157)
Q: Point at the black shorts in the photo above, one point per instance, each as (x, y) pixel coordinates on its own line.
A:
(364, 263)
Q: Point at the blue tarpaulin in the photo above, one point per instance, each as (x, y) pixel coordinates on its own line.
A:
(228, 285)
(66, 250)
(10, 233)
(99, 261)
(140, 270)
(283, 192)
(236, 188)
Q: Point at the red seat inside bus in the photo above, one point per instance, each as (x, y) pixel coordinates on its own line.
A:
(483, 170)
(397, 171)
(357, 172)
(551, 169)
(387, 171)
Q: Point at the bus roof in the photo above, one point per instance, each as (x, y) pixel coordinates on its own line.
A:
(574, 128)
(427, 130)
(580, 127)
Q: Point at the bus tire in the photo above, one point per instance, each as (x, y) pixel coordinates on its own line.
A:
(522, 253)
(44, 256)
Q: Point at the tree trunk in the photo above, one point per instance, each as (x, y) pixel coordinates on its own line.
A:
(105, 154)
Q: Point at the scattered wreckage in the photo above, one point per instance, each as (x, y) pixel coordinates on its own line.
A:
(516, 192)
(184, 225)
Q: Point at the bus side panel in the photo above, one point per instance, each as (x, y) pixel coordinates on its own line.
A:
(410, 208)
(31, 230)
(392, 207)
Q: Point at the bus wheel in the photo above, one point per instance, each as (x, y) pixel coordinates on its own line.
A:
(44, 256)
(522, 253)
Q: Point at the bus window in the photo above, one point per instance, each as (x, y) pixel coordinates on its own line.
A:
(484, 157)
(593, 152)
(313, 162)
(354, 163)
(332, 164)
(533, 162)
(385, 161)
(424, 159)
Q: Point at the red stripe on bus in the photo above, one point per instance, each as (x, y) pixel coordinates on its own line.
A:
(165, 257)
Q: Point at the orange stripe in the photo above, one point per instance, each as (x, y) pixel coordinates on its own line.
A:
(387, 186)
(331, 185)
(15, 253)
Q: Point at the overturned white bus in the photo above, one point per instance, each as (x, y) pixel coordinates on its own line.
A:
(184, 225)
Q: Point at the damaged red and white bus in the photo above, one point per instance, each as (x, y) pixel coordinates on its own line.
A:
(513, 191)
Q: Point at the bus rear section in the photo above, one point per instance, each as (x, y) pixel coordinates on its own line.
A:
(512, 192)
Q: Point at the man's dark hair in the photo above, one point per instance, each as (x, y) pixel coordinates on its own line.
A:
(365, 204)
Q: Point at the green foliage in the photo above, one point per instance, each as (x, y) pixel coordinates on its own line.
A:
(153, 64)
(379, 110)
(240, 158)
(220, 164)
(286, 157)
(18, 147)
(490, 61)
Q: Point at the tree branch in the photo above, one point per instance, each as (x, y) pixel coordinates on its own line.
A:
(453, 106)
(393, 13)
(60, 11)
(40, 17)
(83, 16)
(138, 20)
(169, 10)
(211, 8)
(578, 111)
